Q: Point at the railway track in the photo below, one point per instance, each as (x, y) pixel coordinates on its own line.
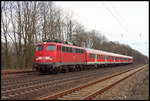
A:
(15, 88)
(37, 86)
(7, 75)
(5, 72)
(90, 90)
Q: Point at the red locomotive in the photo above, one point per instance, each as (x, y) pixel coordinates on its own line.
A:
(55, 56)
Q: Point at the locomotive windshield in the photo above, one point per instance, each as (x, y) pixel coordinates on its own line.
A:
(39, 47)
(51, 47)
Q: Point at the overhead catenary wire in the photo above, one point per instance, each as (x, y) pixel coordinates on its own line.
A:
(116, 18)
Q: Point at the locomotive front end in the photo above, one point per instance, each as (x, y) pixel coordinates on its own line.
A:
(45, 56)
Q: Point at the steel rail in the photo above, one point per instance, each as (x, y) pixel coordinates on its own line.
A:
(66, 94)
(15, 72)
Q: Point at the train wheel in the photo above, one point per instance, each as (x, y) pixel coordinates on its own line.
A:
(54, 71)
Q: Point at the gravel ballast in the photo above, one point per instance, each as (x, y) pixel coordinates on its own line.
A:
(135, 87)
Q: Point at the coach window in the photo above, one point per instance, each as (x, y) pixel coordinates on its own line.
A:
(97, 56)
(73, 50)
(66, 49)
(89, 55)
(101, 56)
(51, 47)
(113, 58)
(92, 56)
(82, 51)
(70, 49)
(79, 50)
(63, 48)
(107, 57)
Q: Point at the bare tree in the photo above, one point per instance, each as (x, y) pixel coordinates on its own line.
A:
(5, 22)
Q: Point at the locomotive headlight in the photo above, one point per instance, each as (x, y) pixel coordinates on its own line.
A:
(38, 58)
(48, 58)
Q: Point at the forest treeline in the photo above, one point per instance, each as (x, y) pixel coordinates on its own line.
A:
(23, 24)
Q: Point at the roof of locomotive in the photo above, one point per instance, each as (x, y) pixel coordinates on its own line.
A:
(56, 43)
(105, 52)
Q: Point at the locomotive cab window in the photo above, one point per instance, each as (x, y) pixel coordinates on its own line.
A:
(50, 47)
(39, 47)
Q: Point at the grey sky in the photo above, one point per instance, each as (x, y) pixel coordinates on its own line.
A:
(125, 22)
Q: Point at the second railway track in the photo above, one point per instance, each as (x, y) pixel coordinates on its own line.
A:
(90, 90)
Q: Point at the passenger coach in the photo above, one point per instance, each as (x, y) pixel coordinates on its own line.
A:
(105, 58)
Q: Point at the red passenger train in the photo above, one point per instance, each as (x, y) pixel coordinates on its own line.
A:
(55, 56)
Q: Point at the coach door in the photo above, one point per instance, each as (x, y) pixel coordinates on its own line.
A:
(59, 53)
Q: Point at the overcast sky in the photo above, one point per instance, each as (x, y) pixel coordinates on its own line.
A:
(125, 22)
